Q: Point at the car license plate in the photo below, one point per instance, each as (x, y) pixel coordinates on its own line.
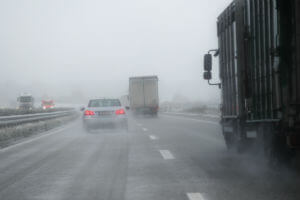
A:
(105, 112)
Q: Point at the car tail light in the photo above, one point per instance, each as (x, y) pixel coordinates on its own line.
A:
(120, 112)
(88, 113)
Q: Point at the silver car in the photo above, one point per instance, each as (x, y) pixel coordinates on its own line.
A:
(104, 112)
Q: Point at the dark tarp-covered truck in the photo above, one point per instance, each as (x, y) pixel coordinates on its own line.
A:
(259, 63)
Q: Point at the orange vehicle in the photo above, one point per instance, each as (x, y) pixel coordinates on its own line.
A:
(47, 104)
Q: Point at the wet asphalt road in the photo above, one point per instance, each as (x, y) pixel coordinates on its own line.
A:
(165, 158)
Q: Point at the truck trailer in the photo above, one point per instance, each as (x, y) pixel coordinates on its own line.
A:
(259, 70)
(143, 95)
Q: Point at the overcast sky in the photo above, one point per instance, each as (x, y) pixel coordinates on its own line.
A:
(56, 47)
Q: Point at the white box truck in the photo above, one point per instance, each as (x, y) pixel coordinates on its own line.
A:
(125, 101)
(143, 95)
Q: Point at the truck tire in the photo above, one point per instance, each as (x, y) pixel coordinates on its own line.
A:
(235, 144)
(244, 145)
(229, 140)
(277, 151)
(154, 114)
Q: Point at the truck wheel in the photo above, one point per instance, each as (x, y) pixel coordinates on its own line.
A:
(235, 144)
(277, 151)
(229, 140)
(244, 145)
(154, 115)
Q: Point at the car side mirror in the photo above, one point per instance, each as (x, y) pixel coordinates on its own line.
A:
(82, 108)
(127, 107)
(207, 62)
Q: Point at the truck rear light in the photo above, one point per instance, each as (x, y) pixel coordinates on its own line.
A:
(89, 113)
(120, 112)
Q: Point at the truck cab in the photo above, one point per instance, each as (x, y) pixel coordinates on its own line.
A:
(25, 101)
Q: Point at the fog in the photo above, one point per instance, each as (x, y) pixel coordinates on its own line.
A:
(89, 48)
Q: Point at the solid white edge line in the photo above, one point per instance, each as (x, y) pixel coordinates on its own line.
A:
(195, 196)
(43, 134)
(193, 114)
(190, 119)
(166, 154)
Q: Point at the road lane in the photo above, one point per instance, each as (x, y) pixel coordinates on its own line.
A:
(70, 165)
(115, 165)
(204, 166)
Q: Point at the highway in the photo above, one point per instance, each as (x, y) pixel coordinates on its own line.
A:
(164, 158)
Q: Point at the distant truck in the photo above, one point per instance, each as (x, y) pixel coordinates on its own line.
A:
(25, 101)
(143, 95)
(47, 104)
(259, 64)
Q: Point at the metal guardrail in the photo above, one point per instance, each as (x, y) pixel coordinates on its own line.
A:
(20, 119)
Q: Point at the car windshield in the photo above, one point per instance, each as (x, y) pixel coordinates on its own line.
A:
(104, 103)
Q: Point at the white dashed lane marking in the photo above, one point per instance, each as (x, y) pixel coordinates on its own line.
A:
(153, 137)
(166, 154)
(144, 129)
(139, 124)
(195, 196)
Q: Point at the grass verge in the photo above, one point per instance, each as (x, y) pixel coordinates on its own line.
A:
(11, 135)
